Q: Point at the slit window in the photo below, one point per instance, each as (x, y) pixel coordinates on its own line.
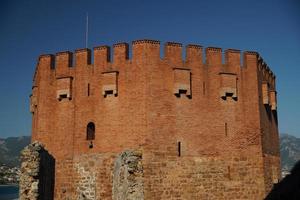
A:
(179, 148)
(90, 131)
(88, 89)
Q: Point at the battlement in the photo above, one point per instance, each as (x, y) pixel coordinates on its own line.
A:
(227, 64)
(213, 59)
(172, 53)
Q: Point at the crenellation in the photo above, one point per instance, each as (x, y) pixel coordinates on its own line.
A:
(44, 67)
(213, 56)
(173, 53)
(63, 61)
(101, 56)
(47, 60)
(250, 59)
(82, 57)
(267, 74)
(194, 54)
(232, 60)
(150, 50)
(120, 53)
(268, 85)
(146, 50)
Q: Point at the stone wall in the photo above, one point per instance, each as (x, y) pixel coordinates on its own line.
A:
(139, 175)
(128, 176)
(100, 176)
(37, 173)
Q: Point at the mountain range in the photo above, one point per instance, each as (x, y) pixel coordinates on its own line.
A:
(10, 150)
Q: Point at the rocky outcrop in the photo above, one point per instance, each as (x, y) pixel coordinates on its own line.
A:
(37, 173)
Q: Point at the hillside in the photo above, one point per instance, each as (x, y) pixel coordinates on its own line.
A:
(10, 149)
(289, 150)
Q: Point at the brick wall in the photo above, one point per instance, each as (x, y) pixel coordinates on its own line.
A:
(201, 107)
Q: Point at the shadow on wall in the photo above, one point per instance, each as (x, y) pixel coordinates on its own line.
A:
(46, 176)
(288, 188)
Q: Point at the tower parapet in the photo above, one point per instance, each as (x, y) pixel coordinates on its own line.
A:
(144, 48)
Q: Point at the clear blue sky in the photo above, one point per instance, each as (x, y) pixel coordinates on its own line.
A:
(30, 28)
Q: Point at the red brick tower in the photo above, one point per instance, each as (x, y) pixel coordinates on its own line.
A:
(207, 128)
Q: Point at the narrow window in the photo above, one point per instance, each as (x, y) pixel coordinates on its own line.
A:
(226, 129)
(88, 90)
(179, 148)
(203, 88)
(90, 131)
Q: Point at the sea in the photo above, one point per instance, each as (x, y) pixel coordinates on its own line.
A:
(9, 192)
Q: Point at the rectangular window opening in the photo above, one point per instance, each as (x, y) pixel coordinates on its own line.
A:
(226, 129)
(88, 90)
(108, 92)
(63, 96)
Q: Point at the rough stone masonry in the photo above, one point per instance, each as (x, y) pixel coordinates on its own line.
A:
(205, 125)
(37, 173)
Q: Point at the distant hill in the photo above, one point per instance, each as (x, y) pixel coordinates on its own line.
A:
(10, 149)
(289, 150)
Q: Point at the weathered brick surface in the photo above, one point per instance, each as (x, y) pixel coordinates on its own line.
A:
(217, 116)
